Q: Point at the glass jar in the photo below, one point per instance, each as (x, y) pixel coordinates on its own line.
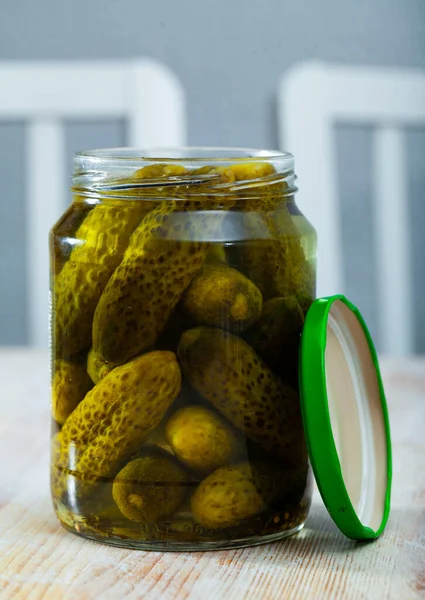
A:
(180, 281)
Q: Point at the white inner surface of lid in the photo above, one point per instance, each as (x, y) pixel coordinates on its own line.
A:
(356, 414)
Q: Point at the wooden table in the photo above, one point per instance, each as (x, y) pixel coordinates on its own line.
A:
(38, 559)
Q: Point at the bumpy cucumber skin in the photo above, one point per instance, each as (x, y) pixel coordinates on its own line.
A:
(202, 439)
(221, 296)
(113, 420)
(164, 254)
(100, 243)
(239, 492)
(227, 497)
(226, 371)
(70, 384)
(150, 488)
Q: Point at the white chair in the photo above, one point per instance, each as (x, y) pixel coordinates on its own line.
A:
(45, 93)
(313, 96)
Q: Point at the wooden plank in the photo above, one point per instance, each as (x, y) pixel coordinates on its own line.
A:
(39, 560)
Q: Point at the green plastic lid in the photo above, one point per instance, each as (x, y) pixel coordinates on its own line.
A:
(345, 417)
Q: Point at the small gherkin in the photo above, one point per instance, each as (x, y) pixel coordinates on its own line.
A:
(113, 420)
(239, 492)
(202, 439)
(70, 383)
(227, 497)
(164, 253)
(246, 170)
(150, 488)
(100, 243)
(222, 297)
(158, 170)
(227, 371)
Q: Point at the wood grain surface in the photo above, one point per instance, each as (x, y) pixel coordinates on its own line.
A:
(39, 560)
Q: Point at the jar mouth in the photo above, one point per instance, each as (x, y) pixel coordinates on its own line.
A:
(112, 171)
(196, 154)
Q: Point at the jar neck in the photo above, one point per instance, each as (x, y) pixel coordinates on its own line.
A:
(124, 173)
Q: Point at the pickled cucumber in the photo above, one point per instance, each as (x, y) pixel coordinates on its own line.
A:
(222, 297)
(159, 170)
(246, 170)
(202, 439)
(227, 497)
(239, 492)
(104, 236)
(280, 319)
(113, 420)
(149, 183)
(102, 239)
(227, 372)
(70, 384)
(150, 488)
(163, 255)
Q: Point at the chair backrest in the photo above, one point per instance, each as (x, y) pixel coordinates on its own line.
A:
(313, 97)
(45, 93)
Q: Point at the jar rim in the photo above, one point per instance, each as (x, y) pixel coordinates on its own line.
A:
(191, 154)
(104, 170)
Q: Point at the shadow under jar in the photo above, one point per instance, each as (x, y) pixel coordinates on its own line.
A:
(180, 280)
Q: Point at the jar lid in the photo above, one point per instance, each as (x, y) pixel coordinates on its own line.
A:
(345, 417)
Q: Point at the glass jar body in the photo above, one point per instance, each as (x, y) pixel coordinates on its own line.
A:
(179, 292)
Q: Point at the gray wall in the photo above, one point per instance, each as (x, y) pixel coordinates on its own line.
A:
(229, 55)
